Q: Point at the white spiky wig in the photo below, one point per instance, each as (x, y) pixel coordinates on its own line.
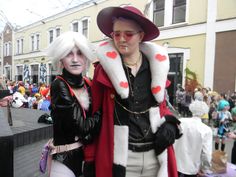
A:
(198, 108)
(62, 46)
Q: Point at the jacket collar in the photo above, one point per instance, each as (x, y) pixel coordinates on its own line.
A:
(112, 65)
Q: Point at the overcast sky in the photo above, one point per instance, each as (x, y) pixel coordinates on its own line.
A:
(24, 12)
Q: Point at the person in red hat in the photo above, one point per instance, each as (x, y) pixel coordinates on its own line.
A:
(129, 83)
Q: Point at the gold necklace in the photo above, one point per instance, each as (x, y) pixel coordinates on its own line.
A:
(132, 112)
(135, 63)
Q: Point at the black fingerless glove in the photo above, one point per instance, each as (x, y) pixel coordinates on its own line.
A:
(166, 134)
(89, 169)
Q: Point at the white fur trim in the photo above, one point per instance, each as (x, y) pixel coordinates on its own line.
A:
(83, 98)
(110, 60)
(121, 135)
(155, 119)
(159, 65)
(162, 159)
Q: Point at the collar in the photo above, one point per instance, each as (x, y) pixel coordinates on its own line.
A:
(157, 57)
(75, 81)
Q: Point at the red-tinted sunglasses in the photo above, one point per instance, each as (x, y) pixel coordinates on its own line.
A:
(116, 35)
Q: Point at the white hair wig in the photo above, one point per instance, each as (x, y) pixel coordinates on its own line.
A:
(198, 108)
(63, 44)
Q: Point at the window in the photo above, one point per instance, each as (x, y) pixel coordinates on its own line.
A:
(58, 32)
(85, 27)
(18, 47)
(158, 12)
(22, 45)
(37, 41)
(19, 71)
(179, 9)
(50, 36)
(7, 49)
(34, 73)
(75, 26)
(32, 43)
(7, 72)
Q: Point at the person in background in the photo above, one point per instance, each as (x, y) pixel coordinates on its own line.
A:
(21, 88)
(232, 135)
(223, 117)
(34, 89)
(194, 149)
(46, 100)
(73, 123)
(180, 98)
(186, 102)
(2, 84)
(129, 86)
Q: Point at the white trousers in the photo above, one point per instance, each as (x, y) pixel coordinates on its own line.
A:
(58, 169)
(142, 164)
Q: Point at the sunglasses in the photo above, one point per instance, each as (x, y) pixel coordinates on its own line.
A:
(127, 35)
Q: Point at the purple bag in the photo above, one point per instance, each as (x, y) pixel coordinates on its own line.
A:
(44, 158)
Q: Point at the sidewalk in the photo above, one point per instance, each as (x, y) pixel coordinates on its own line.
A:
(26, 160)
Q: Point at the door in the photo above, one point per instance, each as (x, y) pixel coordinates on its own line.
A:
(175, 75)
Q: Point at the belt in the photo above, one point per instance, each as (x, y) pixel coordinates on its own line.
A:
(64, 148)
(141, 147)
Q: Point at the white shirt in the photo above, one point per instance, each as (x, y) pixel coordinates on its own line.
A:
(193, 150)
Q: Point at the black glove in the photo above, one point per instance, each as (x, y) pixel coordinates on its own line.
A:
(166, 134)
(173, 120)
(91, 128)
(89, 169)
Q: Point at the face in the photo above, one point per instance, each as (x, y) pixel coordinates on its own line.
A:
(74, 62)
(126, 36)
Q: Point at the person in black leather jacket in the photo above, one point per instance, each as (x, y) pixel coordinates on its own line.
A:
(73, 123)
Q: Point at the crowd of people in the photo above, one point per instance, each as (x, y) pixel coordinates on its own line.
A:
(221, 116)
(211, 98)
(26, 95)
(119, 124)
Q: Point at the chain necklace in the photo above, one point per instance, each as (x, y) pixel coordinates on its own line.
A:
(129, 111)
(135, 63)
(135, 139)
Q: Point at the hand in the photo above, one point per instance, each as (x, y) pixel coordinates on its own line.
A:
(231, 135)
(167, 133)
(164, 137)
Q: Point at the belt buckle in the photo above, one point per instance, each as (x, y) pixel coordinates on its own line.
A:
(66, 147)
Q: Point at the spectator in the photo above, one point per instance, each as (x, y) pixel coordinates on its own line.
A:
(223, 118)
(180, 98)
(232, 135)
(194, 149)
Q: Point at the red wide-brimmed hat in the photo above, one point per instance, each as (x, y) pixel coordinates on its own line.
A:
(106, 16)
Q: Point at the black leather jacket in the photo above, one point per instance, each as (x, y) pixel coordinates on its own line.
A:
(67, 114)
